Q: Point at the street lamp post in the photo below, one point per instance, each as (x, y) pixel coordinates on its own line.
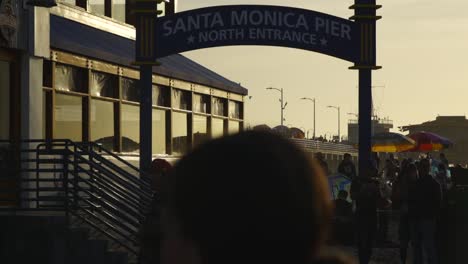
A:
(337, 108)
(283, 106)
(314, 101)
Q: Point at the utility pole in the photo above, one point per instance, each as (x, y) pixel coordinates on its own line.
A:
(283, 105)
(339, 119)
(314, 101)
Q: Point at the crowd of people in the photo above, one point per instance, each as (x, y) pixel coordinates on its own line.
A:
(417, 190)
(272, 205)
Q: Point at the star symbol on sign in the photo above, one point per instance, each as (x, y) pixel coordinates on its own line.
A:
(323, 41)
(191, 39)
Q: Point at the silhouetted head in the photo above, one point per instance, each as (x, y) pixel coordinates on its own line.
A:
(247, 198)
(158, 170)
(442, 155)
(424, 167)
(347, 157)
(319, 156)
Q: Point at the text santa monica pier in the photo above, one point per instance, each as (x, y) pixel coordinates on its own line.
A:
(255, 25)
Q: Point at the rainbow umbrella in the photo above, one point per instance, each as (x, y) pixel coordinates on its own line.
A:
(391, 142)
(427, 141)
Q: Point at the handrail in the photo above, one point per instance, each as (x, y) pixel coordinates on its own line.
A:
(128, 164)
(62, 175)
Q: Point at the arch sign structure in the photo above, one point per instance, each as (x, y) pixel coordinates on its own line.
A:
(351, 40)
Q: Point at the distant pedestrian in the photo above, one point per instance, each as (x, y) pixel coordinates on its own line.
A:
(343, 221)
(407, 181)
(428, 205)
(347, 167)
(444, 160)
(365, 191)
(150, 234)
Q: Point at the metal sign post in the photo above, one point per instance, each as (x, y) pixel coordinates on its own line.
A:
(365, 17)
(145, 13)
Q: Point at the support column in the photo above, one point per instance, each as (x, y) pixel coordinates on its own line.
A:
(146, 88)
(365, 16)
(365, 118)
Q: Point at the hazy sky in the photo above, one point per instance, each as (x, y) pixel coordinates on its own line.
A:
(422, 46)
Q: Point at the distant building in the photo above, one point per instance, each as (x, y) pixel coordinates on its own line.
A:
(454, 128)
(379, 125)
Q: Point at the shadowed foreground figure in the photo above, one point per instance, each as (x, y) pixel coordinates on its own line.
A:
(248, 198)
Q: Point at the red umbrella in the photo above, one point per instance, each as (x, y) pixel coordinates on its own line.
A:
(427, 141)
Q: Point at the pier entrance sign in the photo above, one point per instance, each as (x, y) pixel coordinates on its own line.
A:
(257, 25)
(352, 40)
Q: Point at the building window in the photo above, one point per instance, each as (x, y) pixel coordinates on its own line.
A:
(219, 106)
(234, 127)
(201, 103)
(234, 109)
(130, 91)
(68, 117)
(200, 129)
(159, 132)
(97, 7)
(102, 123)
(70, 78)
(179, 133)
(68, 2)
(217, 127)
(130, 128)
(181, 99)
(118, 10)
(103, 84)
(161, 95)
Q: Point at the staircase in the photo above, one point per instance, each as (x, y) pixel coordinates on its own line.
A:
(92, 207)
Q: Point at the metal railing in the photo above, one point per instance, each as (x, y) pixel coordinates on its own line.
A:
(318, 146)
(78, 180)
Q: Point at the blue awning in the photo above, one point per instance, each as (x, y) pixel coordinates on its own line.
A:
(77, 38)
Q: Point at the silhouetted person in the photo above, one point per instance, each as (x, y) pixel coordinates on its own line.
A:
(347, 167)
(444, 160)
(429, 203)
(150, 236)
(405, 186)
(343, 218)
(365, 191)
(247, 198)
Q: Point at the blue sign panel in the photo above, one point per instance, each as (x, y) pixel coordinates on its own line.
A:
(257, 25)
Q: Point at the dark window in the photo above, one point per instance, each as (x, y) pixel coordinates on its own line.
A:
(234, 109)
(103, 84)
(161, 95)
(201, 103)
(219, 106)
(181, 99)
(71, 79)
(130, 91)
